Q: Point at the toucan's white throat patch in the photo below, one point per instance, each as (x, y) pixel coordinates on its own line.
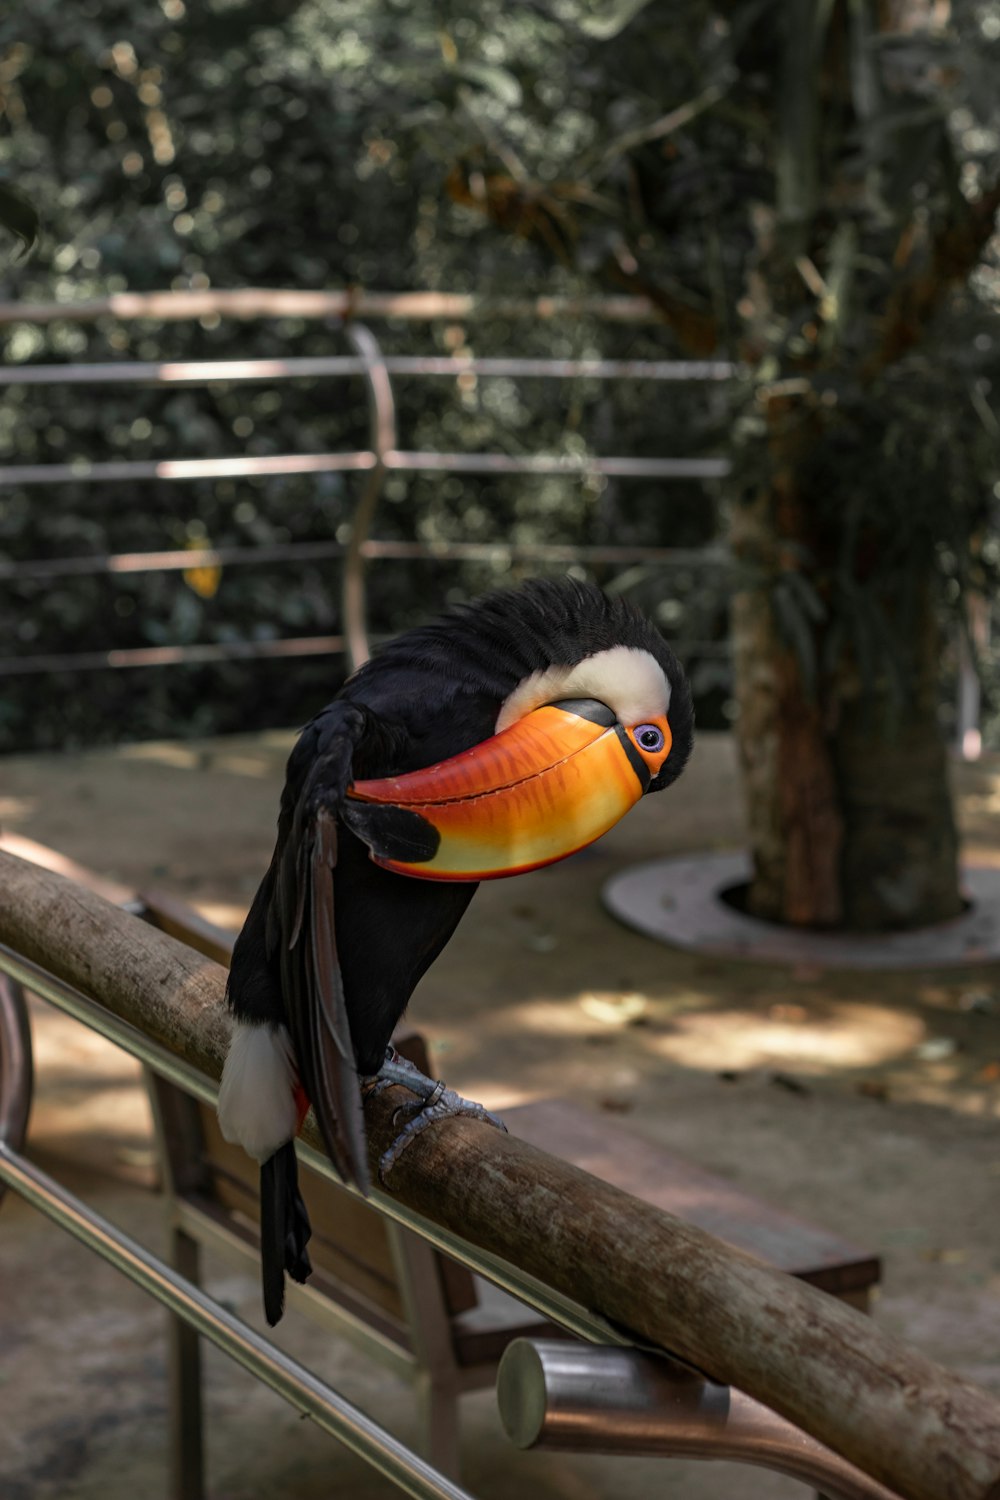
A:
(257, 1108)
(626, 678)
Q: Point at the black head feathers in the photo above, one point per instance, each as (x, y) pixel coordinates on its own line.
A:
(487, 647)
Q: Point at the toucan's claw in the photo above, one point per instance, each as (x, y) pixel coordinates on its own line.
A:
(434, 1101)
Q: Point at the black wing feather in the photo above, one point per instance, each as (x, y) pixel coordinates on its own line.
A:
(302, 928)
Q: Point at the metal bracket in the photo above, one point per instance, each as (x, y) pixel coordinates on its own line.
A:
(593, 1399)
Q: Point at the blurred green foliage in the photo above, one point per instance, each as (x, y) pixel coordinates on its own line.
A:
(300, 145)
(18, 216)
(753, 166)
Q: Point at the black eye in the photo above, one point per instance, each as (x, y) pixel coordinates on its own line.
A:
(649, 737)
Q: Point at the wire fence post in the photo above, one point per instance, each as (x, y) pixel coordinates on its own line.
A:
(382, 414)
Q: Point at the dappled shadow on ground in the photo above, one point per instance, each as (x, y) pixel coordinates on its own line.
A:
(545, 966)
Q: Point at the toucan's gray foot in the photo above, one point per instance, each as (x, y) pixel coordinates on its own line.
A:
(434, 1102)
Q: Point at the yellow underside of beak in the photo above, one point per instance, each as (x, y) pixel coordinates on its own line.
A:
(542, 789)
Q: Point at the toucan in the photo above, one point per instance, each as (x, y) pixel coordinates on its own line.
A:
(509, 733)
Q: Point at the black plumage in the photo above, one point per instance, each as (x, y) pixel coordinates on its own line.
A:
(334, 945)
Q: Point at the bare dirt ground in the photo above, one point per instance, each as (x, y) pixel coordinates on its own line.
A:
(867, 1102)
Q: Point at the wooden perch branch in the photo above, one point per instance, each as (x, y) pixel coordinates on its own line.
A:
(895, 1414)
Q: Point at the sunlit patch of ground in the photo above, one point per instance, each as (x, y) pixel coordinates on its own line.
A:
(241, 760)
(15, 810)
(851, 1036)
(91, 1099)
(176, 754)
(226, 914)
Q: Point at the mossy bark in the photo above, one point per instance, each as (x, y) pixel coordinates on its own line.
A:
(899, 861)
(793, 812)
(849, 807)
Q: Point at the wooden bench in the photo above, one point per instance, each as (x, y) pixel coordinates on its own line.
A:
(383, 1287)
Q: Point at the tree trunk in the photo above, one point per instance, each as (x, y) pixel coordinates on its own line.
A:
(794, 816)
(899, 865)
(849, 809)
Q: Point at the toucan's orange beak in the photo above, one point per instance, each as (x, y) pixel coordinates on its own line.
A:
(538, 791)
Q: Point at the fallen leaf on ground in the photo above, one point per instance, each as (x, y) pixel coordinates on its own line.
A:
(873, 1088)
(786, 1081)
(617, 1010)
(542, 942)
(807, 973)
(783, 1012)
(937, 1048)
(982, 1002)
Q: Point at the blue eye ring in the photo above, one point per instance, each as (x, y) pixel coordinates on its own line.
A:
(649, 737)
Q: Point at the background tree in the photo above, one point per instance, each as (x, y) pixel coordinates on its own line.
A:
(814, 186)
(871, 438)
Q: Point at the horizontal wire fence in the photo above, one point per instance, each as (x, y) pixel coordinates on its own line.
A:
(383, 457)
(249, 303)
(374, 463)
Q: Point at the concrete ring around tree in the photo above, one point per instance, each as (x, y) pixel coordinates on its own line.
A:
(680, 901)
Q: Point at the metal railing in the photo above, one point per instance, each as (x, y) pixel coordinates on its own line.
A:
(647, 1406)
(381, 458)
(608, 1398)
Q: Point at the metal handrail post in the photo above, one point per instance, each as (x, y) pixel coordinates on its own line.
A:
(382, 413)
(588, 1399)
(292, 1381)
(510, 1278)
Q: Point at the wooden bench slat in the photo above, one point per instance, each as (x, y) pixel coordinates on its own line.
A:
(620, 1156)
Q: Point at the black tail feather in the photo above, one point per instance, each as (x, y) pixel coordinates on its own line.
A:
(284, 1229)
